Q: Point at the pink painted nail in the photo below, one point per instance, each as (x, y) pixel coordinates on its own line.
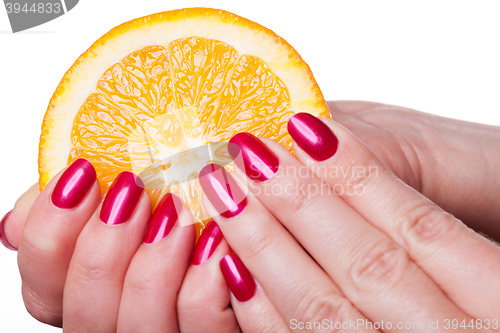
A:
(121, 199)
(253, 156)
(74, 184)
(163, 219)
(3, 239)
(222, 190)
(313, 136)
(237, 277)
(208, 242)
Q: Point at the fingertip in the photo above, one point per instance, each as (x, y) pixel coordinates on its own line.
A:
(185, 225)
(209, 275)
(331, 142)
(165, 217)
(12, 224)
(208, 243)
(238, 277)
(209, 208)
(74, 184)
(141, 214)
(3, 238)
(124, 199)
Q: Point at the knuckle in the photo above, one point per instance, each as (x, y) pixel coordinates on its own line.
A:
(384, 263)
(429, 223)
(39, 309)
(330, 306)
(258, 243)
(40, 247)
(193, 300)
(299, 192)
(139, 282)
(92, 265)
(359, 177)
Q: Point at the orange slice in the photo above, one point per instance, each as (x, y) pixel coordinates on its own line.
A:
(161, 94)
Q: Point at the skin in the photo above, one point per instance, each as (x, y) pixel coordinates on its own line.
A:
(451, 162)
(404, 262)
(104, 274)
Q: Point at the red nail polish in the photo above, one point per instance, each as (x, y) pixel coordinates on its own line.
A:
(163, 219)
(121, 199)
(74, 184)
(222, 190)
(253, 157)
(208, 242)
(313, 136)
(237, 277)
(3, 239)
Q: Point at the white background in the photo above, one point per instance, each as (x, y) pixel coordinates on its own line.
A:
(441, 57)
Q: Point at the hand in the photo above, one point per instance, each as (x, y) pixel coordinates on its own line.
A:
(371, 249)
(71, 254)
(357, 120)
(92, 265)
(451, 162)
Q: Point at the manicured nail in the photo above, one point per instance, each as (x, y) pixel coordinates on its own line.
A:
(208, 242)
(163, 219)
(253, 157)
(121, 199)
(222, 190)
(74, 184)
(313, 136)
(238, 278)
(3, 239)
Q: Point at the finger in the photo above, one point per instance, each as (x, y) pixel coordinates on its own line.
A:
(102, 255)
(374, 272)
(449, 252)
(52, 227)
(203, 302)
(155, 275)
(295, 284)
(347, 107)
(3, 237)
(12, 224)
(252, 307)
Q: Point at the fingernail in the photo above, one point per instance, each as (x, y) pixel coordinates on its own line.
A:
(208, 242)
(238, 278)
(222, 191)
(258, 162)
(121, 199)
(74, 183)
(313, 136)
(3, 239)
(163, 219)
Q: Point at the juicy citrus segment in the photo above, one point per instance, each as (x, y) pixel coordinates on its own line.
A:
(160, 95)
(151, 113)
(200, 68)
(107, 166)
(140, 83)
(101, 127)
(255, 101)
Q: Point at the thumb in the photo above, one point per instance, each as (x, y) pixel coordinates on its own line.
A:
(12, 224)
